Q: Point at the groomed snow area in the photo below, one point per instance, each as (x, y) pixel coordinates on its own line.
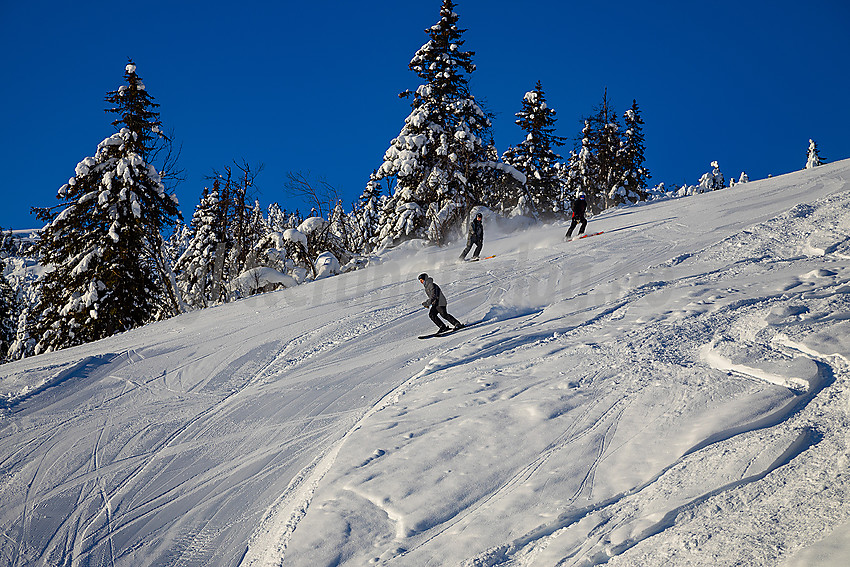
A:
(674, 391)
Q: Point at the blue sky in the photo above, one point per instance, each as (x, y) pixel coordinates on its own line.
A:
(312, 87)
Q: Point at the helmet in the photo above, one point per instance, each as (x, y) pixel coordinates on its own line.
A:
(423, 276)
(581, 195)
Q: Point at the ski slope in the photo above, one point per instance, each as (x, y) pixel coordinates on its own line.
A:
(674, 391)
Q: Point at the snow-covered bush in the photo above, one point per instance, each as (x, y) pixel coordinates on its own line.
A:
(744, 178)
(621, 195)
(261, 279)
(327, 265)
(712, 180)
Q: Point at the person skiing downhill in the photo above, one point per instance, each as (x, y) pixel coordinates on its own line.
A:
(579, 208)
(437, 303)
(475, 236)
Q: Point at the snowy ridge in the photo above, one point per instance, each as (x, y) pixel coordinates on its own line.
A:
(673, 391)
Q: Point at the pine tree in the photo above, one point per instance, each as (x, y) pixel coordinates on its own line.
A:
(608, 153)
(258, 226)
(634, 176)
(813, 159)
(277, 218)
(106, 246)
(18, 295)
(435, 158)
(136, 110)
(366, 216)
(583, 166)
(535, 157)
(197, 277)
(105, 277)
(608, 166)
(178, 242)
(8, 316)
(339, 225)
(137, 113)
(240, 226)
(597, 168)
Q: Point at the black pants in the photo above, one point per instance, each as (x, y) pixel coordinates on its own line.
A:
(573, 224)
(442, 311)
(478, 244)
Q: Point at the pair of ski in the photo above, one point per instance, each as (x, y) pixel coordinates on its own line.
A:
(444, 333)
(476, 259)
(570, 238)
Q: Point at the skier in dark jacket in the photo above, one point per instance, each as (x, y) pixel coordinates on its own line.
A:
(476, 237)
(579, 208)
(437, 303)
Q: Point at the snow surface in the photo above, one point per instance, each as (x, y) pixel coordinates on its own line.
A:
(674, 391)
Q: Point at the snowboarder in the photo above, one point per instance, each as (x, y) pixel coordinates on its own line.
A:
(579, 208)
(476, 237)
(437, 303)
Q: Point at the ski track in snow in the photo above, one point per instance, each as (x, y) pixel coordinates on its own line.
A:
(799, 443)
(254, 433)
(526, 550)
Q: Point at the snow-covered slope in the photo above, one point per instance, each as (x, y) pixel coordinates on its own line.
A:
(674, 391)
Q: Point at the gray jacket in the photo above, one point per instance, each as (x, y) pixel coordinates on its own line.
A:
(435, 295)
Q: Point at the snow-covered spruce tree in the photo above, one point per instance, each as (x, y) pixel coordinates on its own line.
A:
(596, 168)
(435, 159)
(339, 226)
(137, 113)
(634, 175)
(8, 317)
(279, 219)
(177, 243)
(535, 156)
(197, 278)
(813, 158)
(23, 344)
(276, 218)
(104, 248)
(257, 224)
(583, 166)
(240, 227)
(605, 143)
(21, 273)
(366, 216)
(105, 245)
(244, 225)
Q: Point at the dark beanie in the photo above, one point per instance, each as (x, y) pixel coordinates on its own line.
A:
(423, 276)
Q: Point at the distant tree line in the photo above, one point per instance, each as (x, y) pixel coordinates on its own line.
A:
(115, 254)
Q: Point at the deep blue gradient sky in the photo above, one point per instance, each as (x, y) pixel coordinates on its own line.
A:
(313, 86)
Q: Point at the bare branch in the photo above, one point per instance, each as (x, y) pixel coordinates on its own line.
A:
(318, 193)
(165, 157)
